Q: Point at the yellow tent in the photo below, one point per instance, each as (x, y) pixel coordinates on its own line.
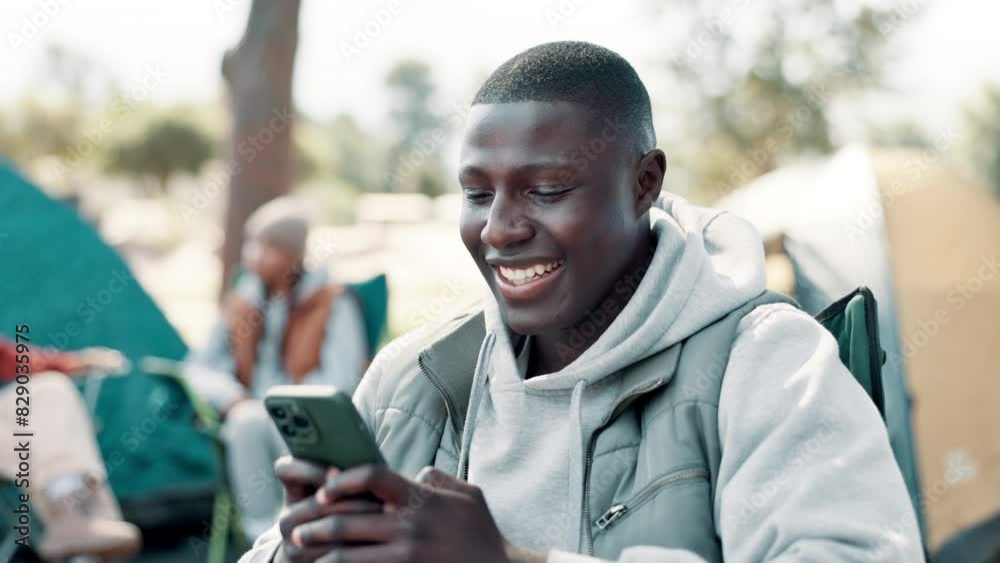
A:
(927, 242)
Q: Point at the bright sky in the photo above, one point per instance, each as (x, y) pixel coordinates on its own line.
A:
(948, 53)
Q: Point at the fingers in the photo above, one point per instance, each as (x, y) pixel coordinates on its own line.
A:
(349, 528)
(433, 477)
(369, 554)
(378, 480)
(301, 512)
(294, 470)
(300, 477)
(310, 509)
(294, 554)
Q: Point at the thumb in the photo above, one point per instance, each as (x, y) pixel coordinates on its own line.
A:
(437, 479)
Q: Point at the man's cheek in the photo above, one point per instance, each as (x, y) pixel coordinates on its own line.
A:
(469, 232)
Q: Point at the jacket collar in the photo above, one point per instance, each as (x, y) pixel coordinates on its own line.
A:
(450, 364)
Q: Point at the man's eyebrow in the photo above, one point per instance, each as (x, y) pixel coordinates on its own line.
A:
(537, 166)
(544, 165)
(471, 170)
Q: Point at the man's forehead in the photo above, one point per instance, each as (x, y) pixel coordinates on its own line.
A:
(527, 122)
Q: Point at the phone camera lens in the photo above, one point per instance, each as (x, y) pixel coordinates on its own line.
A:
(288, 429)
(300, 421)
(278, 412)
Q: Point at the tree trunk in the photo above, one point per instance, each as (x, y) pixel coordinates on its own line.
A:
(258, 72)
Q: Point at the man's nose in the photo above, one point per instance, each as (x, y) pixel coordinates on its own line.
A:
(506, 225)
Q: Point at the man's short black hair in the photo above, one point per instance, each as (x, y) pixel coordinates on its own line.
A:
(578, 72)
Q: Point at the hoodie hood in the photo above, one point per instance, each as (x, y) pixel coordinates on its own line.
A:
(706, 263)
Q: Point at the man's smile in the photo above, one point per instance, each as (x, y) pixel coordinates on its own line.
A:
(527, 281)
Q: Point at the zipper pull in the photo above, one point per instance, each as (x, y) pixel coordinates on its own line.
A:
(609, 517)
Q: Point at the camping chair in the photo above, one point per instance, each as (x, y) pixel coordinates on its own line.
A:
(225, 530)
(225, 536)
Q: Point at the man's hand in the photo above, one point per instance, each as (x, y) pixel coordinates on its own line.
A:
(301, 480)
(437, 519)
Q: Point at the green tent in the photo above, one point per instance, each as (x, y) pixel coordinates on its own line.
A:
(74, 291)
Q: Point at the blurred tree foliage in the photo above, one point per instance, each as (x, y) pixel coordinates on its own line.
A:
(905, 133)
(357, 157)
(32, 130)
(414, 159)
(165, 148)
(756, 81)
(983, 136)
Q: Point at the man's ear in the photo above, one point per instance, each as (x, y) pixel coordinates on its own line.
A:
(649, 180)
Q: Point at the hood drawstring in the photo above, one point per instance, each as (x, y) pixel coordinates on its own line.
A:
(480, 380)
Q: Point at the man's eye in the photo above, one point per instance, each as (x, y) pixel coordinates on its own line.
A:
(477, 195)
(549, 192)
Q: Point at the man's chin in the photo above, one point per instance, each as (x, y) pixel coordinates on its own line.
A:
(526, 320)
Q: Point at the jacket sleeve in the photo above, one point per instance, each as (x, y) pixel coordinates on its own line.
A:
(265, 548)
(807, 473)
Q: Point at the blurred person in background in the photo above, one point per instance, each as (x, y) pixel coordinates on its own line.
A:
(67, 482)
(281, 324)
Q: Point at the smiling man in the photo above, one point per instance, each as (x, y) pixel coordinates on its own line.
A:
(629, 391)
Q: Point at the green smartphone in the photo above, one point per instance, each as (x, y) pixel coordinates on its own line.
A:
(319, 423)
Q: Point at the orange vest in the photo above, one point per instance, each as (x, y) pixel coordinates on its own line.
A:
(301, 344)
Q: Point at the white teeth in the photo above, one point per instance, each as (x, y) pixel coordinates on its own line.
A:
(520, 276)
